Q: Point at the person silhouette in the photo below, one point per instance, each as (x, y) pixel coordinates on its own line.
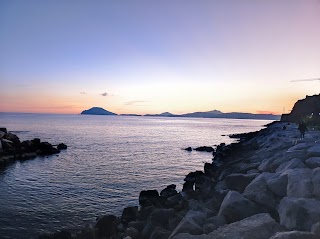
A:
(302, 128)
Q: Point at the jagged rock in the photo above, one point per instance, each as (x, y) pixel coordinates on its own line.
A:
(292, 164)
(313, 151)
(62, 146)
(278, 184)
(160, 233)
(107, 226)
(260, 226)
(299, 213)
(235, 207)
(313, 162)
(169, 191)
(299, 183)
(258, 191)
(294, 235)
(158, 218)
(238, 182)
(204, 149)
(148, 198)
(129, 214)
(192, 223)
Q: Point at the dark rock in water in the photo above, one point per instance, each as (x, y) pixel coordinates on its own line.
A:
(4, 130)
(148, 198)
(36, 141)
(169, 191)
(6, 144)
(193, 176)
(205, 149)
(188, 149)
(47, 149)
(107, 226)
(13, 138)
(62, 146)
(58, 235)
(27, 145)
(129, 214)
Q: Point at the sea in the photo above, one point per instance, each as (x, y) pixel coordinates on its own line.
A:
(109, 160)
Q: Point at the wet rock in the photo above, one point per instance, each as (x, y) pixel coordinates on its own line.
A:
(235, 207)
(313, 162)
(149, 198)
(107, 226)
(129, 214)
(299, 213)
(238, 182)
(294, 235)
(62, 146)
(169, 191)
(47, 149)
(260, 226)
(204, 149)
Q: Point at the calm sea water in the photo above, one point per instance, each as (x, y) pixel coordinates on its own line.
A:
(109, 160)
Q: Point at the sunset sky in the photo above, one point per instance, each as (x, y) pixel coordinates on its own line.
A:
(154, 56)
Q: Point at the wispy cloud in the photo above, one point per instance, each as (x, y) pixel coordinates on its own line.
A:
(104, 94)
(135, 102)
(83, 93)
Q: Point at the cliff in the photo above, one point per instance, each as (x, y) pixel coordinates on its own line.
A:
(304, 110)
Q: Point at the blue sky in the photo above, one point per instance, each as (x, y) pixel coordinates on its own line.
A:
(151, 56)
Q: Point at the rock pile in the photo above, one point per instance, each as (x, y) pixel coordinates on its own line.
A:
(12, 149)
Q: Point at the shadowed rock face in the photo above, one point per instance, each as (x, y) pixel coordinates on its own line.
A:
(302, 108)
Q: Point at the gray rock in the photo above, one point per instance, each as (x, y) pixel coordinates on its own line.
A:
(259, 192)
(292, 164)
(316, 183)
(192, 223)
(216, 220)
(260, 226)
(200, 207)
(299, 183)
(2, 134)
(132, 232)
(313, 151)
(238, 182)
(209, 227)
(294, 235)
(316, 229)
(235, 207)
(278, 184)
(160, 233)
(299, 213)
(313, 162)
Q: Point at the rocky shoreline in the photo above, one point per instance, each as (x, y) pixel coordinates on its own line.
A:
(264, 186)
(12, 149)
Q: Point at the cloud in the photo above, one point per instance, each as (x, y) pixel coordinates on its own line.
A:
(104, 94)
(135, 102)
(83, 93)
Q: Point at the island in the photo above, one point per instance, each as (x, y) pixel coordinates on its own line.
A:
(97, 111)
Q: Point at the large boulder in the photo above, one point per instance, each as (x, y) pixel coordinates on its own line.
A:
(294, 235)
(129, 214)
(292, 164)
(235, 207)
(259, 192)
(316, 183)
(192, 223)
(260, 226)
(107, 226)
(314, 151)
(148, 198)
(13, 138)
(299, 213)
(313, 162)
(278, 184)
(299, 183)
(238, 182)
(169, 191)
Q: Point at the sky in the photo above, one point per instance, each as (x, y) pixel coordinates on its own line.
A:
(147, 56)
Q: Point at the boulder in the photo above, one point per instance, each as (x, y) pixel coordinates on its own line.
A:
(192, 223)
(129, 214)
(131, 232)
(160, 233)
(294, 235)
(3, 130)
(235, 207)
(278, 184)
(62, 146)
(313, 162)
(299, 183)
(13, 138)
(238, 182)
(107, 226)
(316, 183)
(148, 198)
(204, 149)
(292, 164)
(209, 227)
(313, 151)
(299, 213)
(2, 134)
(260, 226)
(169, 191)
(259, 192)
(46, 148)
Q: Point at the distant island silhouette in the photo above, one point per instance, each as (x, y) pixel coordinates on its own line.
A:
(207, 114)
(97, 111)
